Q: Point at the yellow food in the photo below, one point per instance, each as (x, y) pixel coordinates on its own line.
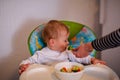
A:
(74, 68)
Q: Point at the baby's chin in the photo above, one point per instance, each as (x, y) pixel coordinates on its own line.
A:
(62, 50)
(65, 49)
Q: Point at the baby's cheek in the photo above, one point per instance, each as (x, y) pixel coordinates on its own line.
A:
(62, 46)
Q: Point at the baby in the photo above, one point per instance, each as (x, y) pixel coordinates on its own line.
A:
(55, 34)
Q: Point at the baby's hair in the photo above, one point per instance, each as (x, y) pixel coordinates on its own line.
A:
(52, 30)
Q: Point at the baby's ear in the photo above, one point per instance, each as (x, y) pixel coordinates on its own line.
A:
(51, 42)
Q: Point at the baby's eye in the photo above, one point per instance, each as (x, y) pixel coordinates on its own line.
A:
(66, 40)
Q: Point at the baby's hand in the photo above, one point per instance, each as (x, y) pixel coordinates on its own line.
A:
(96, 61)
(22, 68)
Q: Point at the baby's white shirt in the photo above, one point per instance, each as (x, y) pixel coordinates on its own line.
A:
(49, 57)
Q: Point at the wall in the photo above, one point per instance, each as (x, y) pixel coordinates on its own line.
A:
(111, 23)
(19, 17)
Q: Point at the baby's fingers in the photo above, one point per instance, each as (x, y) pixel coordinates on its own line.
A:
(101, 62)
(22, 68)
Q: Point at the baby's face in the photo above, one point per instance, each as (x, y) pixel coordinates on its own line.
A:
(62, 42)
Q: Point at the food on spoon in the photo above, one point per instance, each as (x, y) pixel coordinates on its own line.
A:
(70, 47)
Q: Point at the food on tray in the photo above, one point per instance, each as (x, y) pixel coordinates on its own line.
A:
(74, 68)
(64, 69)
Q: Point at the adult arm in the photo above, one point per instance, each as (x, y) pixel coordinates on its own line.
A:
(109, 41)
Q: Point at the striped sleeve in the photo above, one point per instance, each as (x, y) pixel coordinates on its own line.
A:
(109, 41)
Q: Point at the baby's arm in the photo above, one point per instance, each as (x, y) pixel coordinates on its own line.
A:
(73, 58)
(25, 63)
(85, 60)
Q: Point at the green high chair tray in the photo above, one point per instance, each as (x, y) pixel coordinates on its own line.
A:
(79, 34)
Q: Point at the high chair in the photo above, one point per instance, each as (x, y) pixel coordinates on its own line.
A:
(79, 34)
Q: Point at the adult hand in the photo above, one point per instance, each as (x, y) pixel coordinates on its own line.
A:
(83, 50)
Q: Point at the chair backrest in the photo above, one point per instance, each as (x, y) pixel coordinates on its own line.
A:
(79, 34)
